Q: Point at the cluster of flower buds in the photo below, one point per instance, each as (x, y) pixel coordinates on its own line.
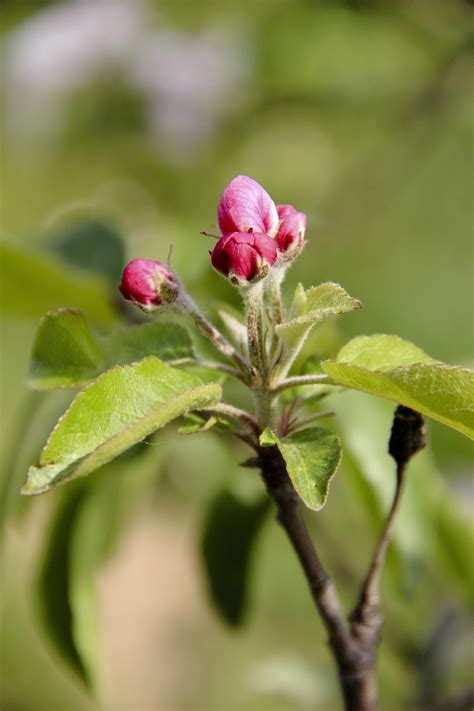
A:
(256, 235)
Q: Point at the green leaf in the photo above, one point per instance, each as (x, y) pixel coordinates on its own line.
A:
(397, 370)
(381, 352)
(92, 245)
(166, 341)
(312, 457)
(194, 424)
(229, 536)
(67, 353)
(267, 438)
(122, 407)
(34, 283)
(314, 305)
(93, 534)
(52, 585)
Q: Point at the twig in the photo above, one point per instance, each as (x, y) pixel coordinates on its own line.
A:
(298, 380)
(300, 423)
(408, 436)
(355, 646)
(211, 364)
(223, 408)
(366, 611)
(253, 306)
(289, 516)
(207, 329)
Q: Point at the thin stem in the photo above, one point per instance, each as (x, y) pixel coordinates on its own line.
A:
(298, 380)
(211, 364)
(207, 329)
(300, 423)
(248, 439)
(369, 599)
(289, 355)
(223, 408)
(253, 305)
(263, 406)
(275, 279)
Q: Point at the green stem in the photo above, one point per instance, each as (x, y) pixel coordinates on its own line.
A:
(305, 421)
(299, 380)
(187, 305)
(223, 408)
(253, 305)
(276, 277)
(263, 406)
(211, 364)
(290, 355)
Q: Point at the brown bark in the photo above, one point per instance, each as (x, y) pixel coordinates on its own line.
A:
(355, 656)
(354, 642)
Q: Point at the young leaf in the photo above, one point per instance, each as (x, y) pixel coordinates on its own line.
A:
(313, 305)
(194, 424)
(398, 370)
(236, 329)
(35, 283)
(122, 407)
(312, 457)
(229, 536)
(67, 353)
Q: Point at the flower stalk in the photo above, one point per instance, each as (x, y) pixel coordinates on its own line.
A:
(253, 298)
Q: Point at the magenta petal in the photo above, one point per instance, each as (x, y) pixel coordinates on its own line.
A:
(245, 261)
(245, 206)
(243, 254)
(292, 228)
(286, 211)
(141, 279)
(266, 247)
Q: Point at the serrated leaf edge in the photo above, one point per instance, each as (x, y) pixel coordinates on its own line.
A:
(81, 461)
(321, 429)
(395, 371)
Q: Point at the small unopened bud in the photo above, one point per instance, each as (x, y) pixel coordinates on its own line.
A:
(408, 434)
(291, 232)
(244, 256)
(149, 284)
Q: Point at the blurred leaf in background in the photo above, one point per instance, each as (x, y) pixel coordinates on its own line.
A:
(118, 141)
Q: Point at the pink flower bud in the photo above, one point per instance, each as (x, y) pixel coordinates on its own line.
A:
(244, 256)
(246, 207)
(148, 284)
(290, 235)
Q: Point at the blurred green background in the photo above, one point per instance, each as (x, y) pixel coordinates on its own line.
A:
(124, 120)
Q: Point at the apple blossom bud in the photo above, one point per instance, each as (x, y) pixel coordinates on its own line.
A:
(149, 284)
(244, 256)
(246, 207)
(290, 235)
